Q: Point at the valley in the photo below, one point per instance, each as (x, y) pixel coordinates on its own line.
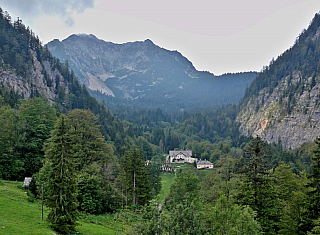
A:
(92, 123)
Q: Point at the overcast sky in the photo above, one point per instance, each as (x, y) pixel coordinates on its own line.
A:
(219, 36)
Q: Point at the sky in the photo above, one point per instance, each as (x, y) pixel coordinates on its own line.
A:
(219, 36)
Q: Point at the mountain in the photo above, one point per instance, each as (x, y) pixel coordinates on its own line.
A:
(144, 74)
(282, 103)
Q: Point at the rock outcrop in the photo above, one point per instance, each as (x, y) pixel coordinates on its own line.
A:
(265, 116)
(35, 84)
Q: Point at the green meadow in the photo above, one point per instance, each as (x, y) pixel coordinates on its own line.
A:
(19, 216)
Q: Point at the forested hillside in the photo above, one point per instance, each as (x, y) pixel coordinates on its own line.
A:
(38, 90)
(282, 103)
(28, 70)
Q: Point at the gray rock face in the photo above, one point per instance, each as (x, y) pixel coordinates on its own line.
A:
(267, 120)
(35, 82)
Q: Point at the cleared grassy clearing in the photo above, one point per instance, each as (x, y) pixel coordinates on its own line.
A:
(166, 180)
(17, 215)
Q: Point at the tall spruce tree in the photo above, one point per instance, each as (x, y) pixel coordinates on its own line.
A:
(255, 170)
(62, 190)
(257, 189)
(314, 193)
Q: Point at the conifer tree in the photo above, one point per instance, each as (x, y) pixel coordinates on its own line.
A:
(133, 177)
(62, 190)
(257, 189)
(314, 193)
(87, 141)
(255, 169)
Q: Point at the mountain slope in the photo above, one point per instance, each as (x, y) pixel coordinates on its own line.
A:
(29, 70)
(145, 74)
(282, 103)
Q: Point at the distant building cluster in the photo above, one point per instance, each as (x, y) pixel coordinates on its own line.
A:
(185, 156)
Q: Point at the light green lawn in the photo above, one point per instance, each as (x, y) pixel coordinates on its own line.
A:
(18, 216)
(166, 180)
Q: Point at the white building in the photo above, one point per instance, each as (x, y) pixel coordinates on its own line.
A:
(180, 156)
(204, 165)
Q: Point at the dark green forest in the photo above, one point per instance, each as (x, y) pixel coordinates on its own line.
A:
(93, 161)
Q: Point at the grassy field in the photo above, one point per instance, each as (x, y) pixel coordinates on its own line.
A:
(18, 216)
(166, 180)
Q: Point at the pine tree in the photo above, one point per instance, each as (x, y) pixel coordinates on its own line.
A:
(153, 170)
(62, 188)
(255, 168)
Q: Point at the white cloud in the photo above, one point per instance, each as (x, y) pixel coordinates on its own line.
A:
(31, 9)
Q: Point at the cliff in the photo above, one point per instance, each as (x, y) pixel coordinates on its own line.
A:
(41, 80)
(267, 116)
(282, 103)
